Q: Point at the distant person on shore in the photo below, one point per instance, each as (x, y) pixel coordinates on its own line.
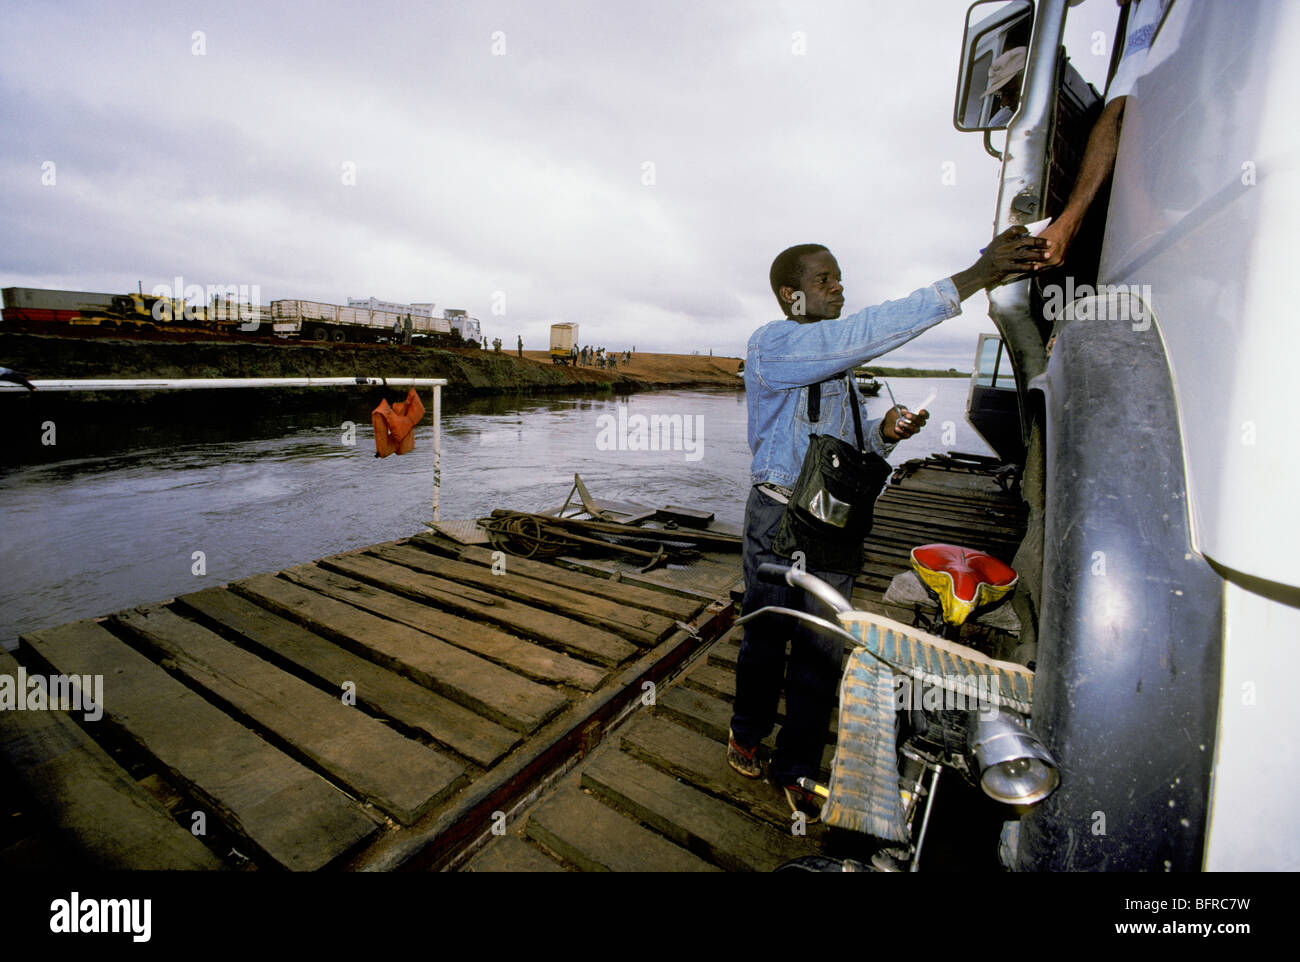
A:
(520, 347)
(496, 344)
(813, 346)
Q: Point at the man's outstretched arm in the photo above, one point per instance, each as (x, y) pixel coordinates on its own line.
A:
(1098, 162)
(790, 355)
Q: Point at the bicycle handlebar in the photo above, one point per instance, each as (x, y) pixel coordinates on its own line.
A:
(775, 574)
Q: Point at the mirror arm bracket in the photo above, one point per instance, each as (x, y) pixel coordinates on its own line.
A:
(989, 148)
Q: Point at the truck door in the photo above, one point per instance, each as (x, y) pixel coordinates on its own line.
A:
(1054, 110)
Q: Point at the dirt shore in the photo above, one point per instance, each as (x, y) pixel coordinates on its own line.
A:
(468, 371)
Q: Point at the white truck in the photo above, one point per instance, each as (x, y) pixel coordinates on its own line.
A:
(1156, 439)
(464, 325)
(317, 321)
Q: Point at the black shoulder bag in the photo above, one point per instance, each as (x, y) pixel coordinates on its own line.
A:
(829, 513)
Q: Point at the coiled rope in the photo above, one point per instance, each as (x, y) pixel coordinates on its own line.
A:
(522, 535)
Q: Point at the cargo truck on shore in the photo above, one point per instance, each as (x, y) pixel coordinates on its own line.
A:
(44, 311)
(563, 339)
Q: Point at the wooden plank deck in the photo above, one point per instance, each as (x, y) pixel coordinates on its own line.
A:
(388, 707)
(368, 710)
(659, 795)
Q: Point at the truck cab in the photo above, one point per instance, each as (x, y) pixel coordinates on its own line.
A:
(1159, 571)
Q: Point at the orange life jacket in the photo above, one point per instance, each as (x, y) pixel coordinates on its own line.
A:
(395, 425)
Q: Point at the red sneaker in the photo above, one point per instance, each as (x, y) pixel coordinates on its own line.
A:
(743, 760)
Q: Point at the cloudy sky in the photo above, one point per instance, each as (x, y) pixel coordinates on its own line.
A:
(632, 167)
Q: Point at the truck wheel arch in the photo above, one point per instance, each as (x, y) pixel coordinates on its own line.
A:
(1130, 633)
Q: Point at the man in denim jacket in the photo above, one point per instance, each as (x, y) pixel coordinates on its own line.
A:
(813, 344)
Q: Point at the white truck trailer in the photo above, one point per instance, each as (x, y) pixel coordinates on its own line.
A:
(316, 321)
(563, 339)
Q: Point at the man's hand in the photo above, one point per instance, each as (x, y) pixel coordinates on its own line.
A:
(1011, 252)
(901, 423)
(1058, 235)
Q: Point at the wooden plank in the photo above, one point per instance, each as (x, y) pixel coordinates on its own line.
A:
(474, 682)
(701, 761)
(644, 627)
(510, 853)
(289, 813)
(938, 486)
(725, 653)
(1005, 506)
(378, 689)
(399, 776)
(931, 516)
(710, 715)
(530, 660)
(910, 537)
(596, 838)
(584, 641)
(943, 531)
(707, 578)
(698, 822)
(705, 714)
(691, 517)
(713, 680)
(634, 596)
(93, 803)
(463, 532)
(705, 540)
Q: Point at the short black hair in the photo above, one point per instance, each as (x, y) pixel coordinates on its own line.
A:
(787, 269)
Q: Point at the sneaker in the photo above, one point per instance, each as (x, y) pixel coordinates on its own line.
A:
(802, 800)
(743, 760)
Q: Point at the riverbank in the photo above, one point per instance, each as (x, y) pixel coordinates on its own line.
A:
(876, 371)
(469, 372)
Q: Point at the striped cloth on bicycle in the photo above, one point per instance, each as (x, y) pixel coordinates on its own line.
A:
(864, 790)
(980, 682)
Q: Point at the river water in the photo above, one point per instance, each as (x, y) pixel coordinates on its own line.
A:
(143, 515)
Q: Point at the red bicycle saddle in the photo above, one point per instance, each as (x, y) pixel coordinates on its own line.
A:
(964, 579)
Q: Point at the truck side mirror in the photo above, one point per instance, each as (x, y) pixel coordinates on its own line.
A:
(997, 34)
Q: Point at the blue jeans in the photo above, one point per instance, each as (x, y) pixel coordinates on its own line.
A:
(812, 674)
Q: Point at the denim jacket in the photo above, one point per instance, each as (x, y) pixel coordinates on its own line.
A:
(785, 357)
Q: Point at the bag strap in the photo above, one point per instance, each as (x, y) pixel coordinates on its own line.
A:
(857, 415)
(815, 406)
(814, 402)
